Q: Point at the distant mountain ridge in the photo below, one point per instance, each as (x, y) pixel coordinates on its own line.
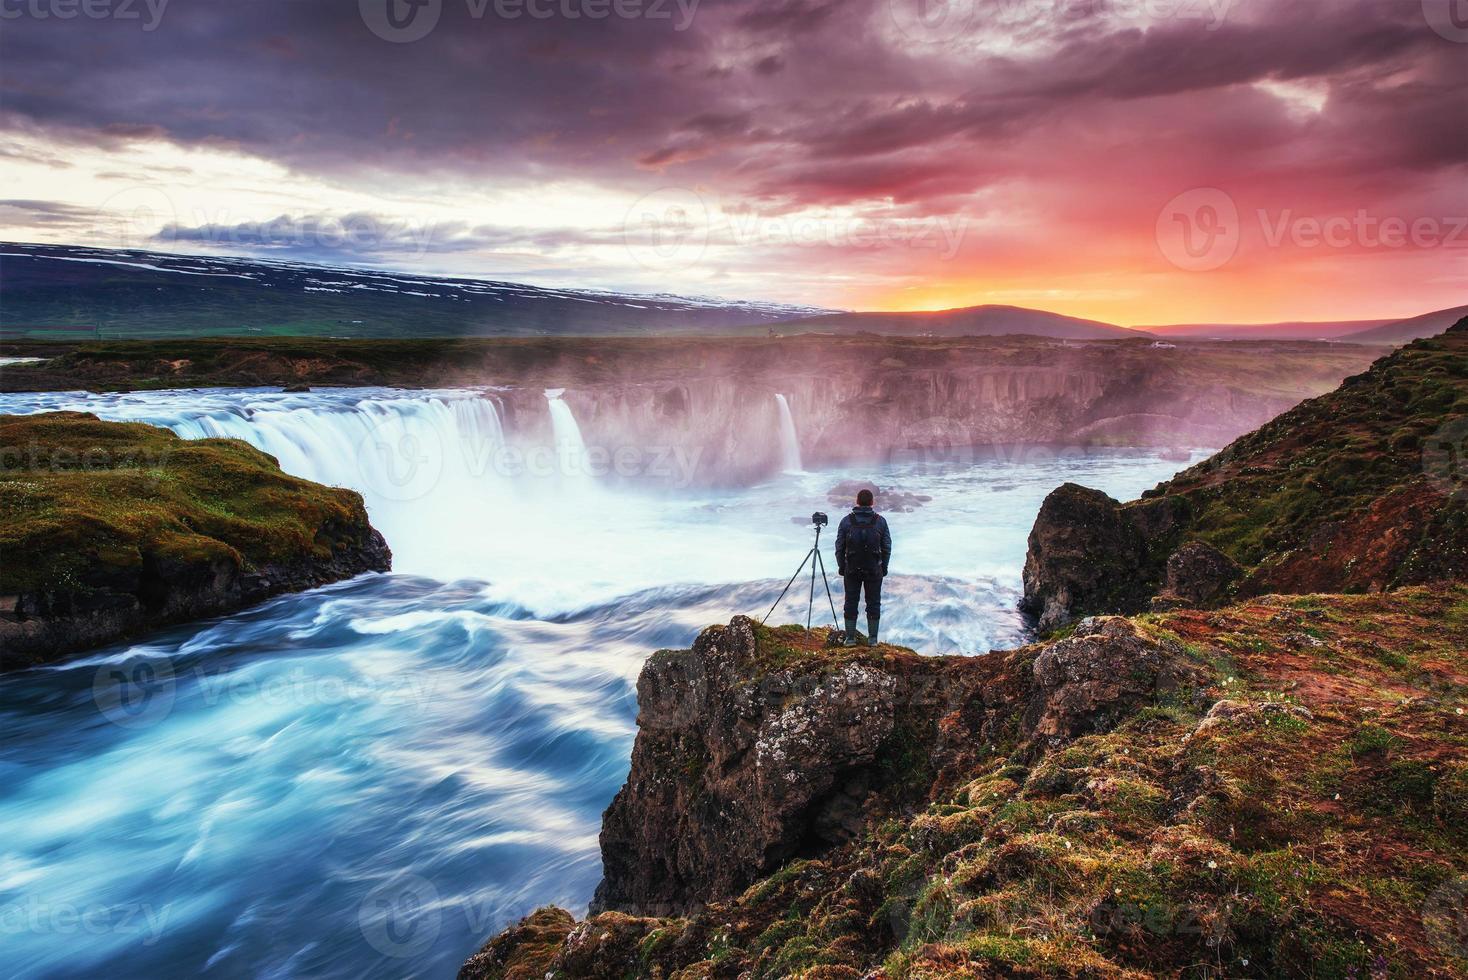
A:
(1291, 330)
(66, 292)
(973, 321)
(73, 292)
(1385, 331)
(1414, 328)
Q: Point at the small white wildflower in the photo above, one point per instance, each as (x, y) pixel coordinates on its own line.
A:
(1212, 864)
(1116, 891)
(1460, 711)
(1067, 845)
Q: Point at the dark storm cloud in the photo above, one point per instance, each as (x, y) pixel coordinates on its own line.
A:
(821, 102)
(366, 234)
(20, 215)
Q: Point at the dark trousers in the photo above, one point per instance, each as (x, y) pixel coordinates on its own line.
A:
(854, 584)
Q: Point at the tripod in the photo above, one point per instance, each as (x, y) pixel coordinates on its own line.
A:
(814, 557)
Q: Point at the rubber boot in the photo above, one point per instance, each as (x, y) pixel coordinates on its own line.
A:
(871, 631)
(851, 632)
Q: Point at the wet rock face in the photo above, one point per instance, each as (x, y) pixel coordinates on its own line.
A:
(1096, 676)
(1085, 555)
(112, 602)
(740, 766)
(735, 771)
(1200, 575)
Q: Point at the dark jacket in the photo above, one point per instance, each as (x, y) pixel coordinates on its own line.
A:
(862, 516)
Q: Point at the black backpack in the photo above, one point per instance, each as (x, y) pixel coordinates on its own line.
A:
(864, 543)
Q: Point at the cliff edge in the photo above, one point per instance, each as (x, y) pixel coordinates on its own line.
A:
(1360, 490)
(108, 529)
(1269, 788)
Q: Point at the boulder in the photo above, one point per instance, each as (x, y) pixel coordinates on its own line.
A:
(1198, 575)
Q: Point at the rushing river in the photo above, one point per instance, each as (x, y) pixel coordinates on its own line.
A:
(369, 779)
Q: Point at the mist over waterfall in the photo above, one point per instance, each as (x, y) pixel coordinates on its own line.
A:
(465, 719)
(789, 441)
(570, 445)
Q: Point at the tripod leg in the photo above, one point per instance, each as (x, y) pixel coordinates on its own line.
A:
(810, 601)
(835, 620)
(791, 582)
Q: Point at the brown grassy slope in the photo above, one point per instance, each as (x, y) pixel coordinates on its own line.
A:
(1308, 824)
(1362, 488)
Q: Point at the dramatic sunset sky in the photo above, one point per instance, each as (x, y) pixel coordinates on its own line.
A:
(1137, 161)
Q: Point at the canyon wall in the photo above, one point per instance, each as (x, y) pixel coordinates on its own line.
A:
(857, 410)
(860, 399)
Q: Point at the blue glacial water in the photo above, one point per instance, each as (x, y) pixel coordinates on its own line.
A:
(369, 779)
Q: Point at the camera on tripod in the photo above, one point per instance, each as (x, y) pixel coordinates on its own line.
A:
(817, 563)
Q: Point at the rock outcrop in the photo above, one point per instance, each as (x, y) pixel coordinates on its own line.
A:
(1358, 490)
(756, 747)
(1117, 804)
(1088, 553)
(109, 529)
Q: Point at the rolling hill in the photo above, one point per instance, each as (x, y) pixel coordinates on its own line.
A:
(1293, 330)
(1406, 331)
(1388, 331)
(64, 292)
(973, 321)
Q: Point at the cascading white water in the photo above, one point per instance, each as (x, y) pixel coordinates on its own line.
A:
(789, 440)
(409, 457)
(571, 455)
(427, 753)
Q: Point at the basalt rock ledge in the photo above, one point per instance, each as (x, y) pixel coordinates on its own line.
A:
(110, 529)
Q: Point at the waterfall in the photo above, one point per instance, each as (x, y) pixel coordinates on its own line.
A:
(414, 458)
(789, 441)
(570, 446)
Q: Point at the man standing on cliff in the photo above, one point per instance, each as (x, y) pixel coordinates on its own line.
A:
(863, 548)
